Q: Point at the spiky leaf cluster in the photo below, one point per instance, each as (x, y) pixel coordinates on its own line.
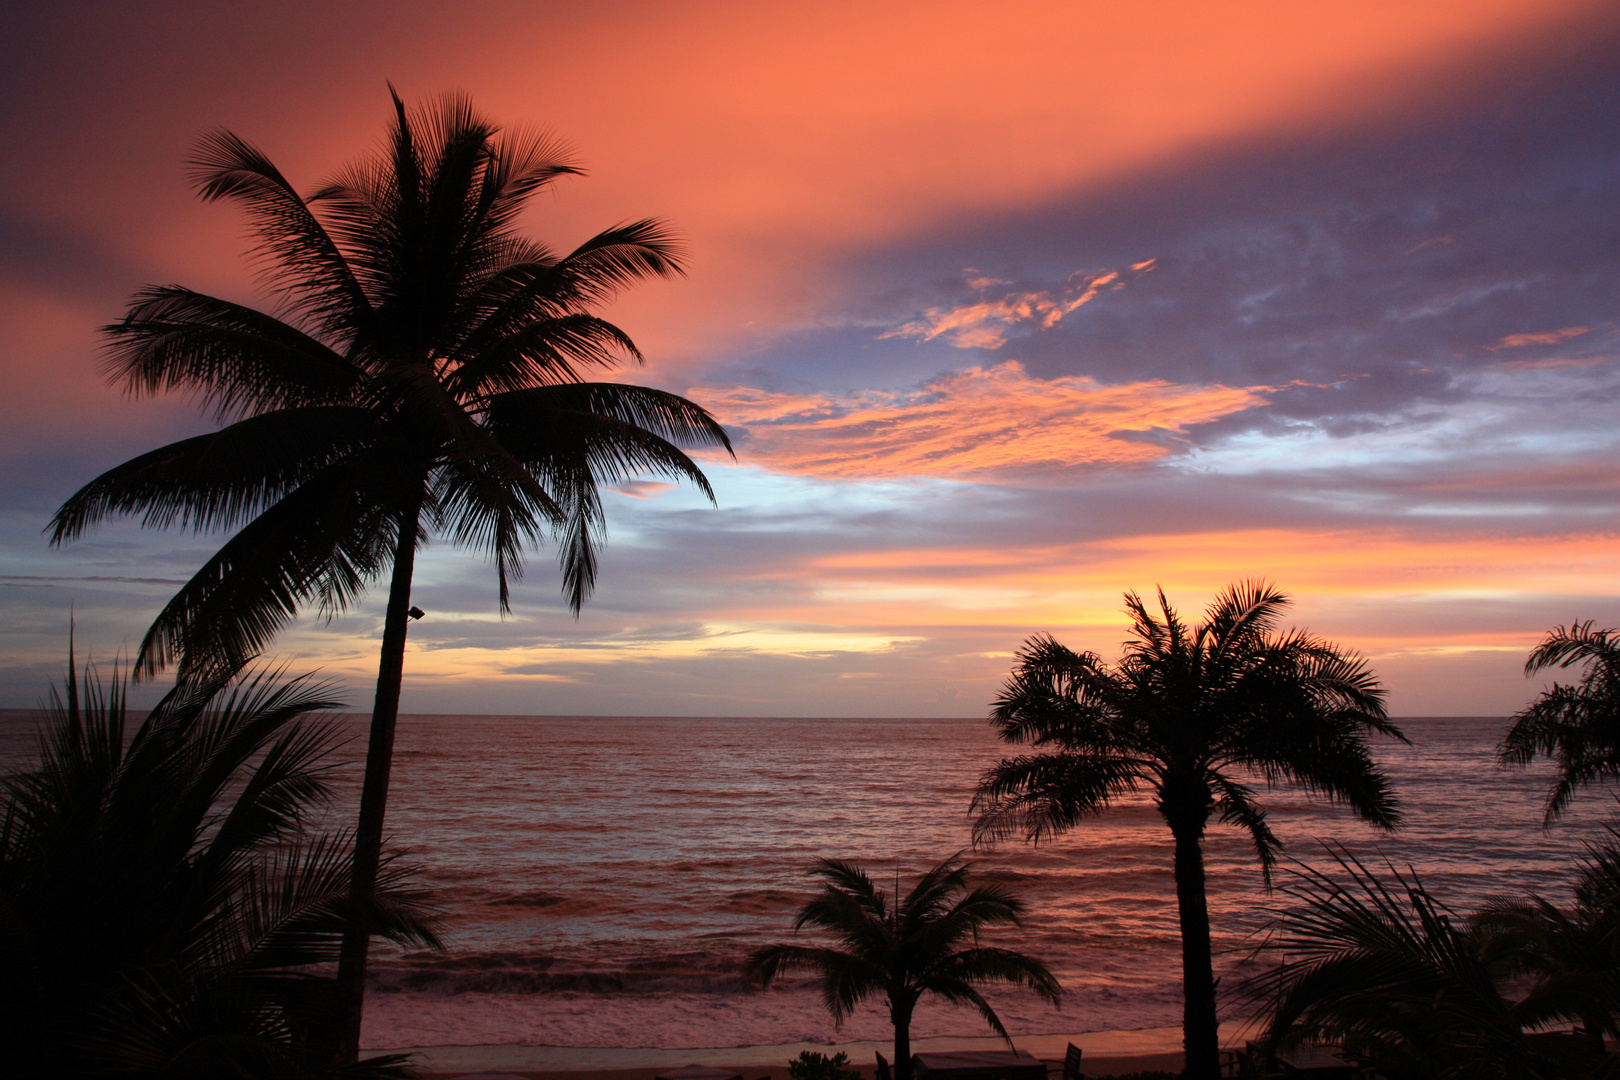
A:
(427, 371)
(166, 898)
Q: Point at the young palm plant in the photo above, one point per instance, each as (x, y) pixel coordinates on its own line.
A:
(925, 943)
(425, 375)
(1569, 957)
(1193, 714)
(1384, 969)
(1577, 726)
(165, 899)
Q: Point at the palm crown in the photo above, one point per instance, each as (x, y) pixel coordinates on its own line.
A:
(425, 372)
(1195, 714)
(906, 947)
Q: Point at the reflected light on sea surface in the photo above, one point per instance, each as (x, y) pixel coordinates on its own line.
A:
(595, 868)
(648, 855)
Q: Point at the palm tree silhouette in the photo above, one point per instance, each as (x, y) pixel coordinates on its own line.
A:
(1570, 956)
(1193, 714)
(1577, 726)
(906, 948)
(1379, 965)
(425, 375)
(165, 892)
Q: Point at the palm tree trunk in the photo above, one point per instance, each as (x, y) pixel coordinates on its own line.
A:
(1200, 1034)
(900, 1009)
(374, 794)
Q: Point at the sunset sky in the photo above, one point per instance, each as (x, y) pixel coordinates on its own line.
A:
(1010, 308)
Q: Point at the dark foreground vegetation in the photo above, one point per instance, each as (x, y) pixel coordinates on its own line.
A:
(1373, 963)
(167, 906)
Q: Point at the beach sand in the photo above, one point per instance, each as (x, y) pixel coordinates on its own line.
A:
(1106, 1052)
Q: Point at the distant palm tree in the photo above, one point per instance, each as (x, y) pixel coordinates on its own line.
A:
(163, 895)
(906, 948)
(1194, 715)
(1577, 726)
(1384, 969)
(425, 376)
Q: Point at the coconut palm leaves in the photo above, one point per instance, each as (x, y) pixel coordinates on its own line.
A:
(163, 894)
(1378, 965)
(1576, 726)
(1195, 715)
(904, 948)
(425, 374)
(1568, 957)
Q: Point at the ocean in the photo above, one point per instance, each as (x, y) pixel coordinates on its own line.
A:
(603, 878)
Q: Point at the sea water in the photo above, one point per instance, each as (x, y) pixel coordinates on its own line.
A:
(603, 879)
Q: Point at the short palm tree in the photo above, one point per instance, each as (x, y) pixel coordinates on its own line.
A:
(1577, 726)
(1381, 967)
(425, 374)
(1567, 959)
(164, 895)
(926, 943)
(1193, 714)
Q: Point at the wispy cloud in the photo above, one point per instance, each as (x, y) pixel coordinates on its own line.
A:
(642, 489)
(979, 423)
(1549, 337)
(1001, 307)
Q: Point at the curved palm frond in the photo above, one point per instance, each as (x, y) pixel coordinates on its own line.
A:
(845, 980)
(300, 255)
(618, 257)
(542, 352)
(230, 359)
(218, 480)
(1577, 726)
(1379, 965)
(982, 965)
(1043, 795)
(311, 545)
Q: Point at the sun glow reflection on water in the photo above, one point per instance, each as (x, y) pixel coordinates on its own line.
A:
(607, 843)
(646, 856)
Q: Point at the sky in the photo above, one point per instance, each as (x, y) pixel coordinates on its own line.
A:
(1009, 309)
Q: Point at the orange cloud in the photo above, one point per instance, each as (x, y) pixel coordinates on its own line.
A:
(1549, 337)
(984, 325)
(977, 423)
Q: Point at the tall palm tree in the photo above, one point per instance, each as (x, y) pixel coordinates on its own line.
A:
(1576, 726)
(425, 374)
(1193, 714)
(905, 948)
(164, 893)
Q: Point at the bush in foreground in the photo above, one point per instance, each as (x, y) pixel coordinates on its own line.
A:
(166, 903)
